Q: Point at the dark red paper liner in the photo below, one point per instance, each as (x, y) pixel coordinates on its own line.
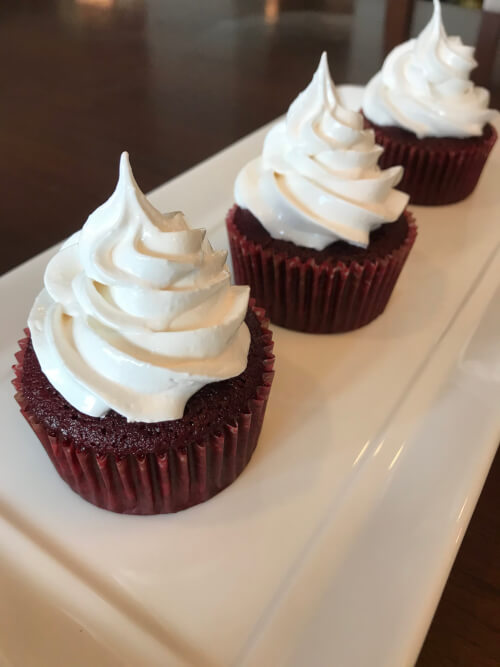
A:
(311, 297)
(435, 177)
(159, 483)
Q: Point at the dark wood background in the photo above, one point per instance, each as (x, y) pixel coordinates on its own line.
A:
(172, 82)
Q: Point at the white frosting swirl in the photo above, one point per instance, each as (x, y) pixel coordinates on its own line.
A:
(424, 87)
(317, 180)
(138, 313)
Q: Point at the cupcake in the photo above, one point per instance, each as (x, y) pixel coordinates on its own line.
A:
(144, 373)
(319, 231)
(429, 117)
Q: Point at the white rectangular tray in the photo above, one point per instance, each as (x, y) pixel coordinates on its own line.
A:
(334, 545)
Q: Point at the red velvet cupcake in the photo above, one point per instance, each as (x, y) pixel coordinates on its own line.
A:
(429, 117)
(337, 289)
(437, 170)
(152, 468)
(143, 373)
(318, 231)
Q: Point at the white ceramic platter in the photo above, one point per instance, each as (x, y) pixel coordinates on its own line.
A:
(334, 545)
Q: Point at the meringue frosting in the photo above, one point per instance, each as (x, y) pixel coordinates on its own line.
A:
(317, 180)
(137, 313)
(424, 87)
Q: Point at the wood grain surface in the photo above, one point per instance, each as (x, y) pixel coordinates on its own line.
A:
(172, 82)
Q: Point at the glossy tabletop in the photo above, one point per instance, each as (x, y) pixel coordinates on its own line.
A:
(173, 82)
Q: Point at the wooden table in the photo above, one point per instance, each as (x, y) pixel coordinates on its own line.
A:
(173, 82)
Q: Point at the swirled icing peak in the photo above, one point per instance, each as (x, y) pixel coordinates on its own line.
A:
(138, 313)
(317, 180)
(424, 87)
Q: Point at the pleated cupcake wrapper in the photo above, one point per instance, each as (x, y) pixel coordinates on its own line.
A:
(158, 483)
(324, 298)
(435, 177)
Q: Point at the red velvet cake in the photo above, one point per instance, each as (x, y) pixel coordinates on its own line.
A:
(151, 468)
(437, 170)
(337, 289)
(429, 116)
(144, 373)
(319, 231)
